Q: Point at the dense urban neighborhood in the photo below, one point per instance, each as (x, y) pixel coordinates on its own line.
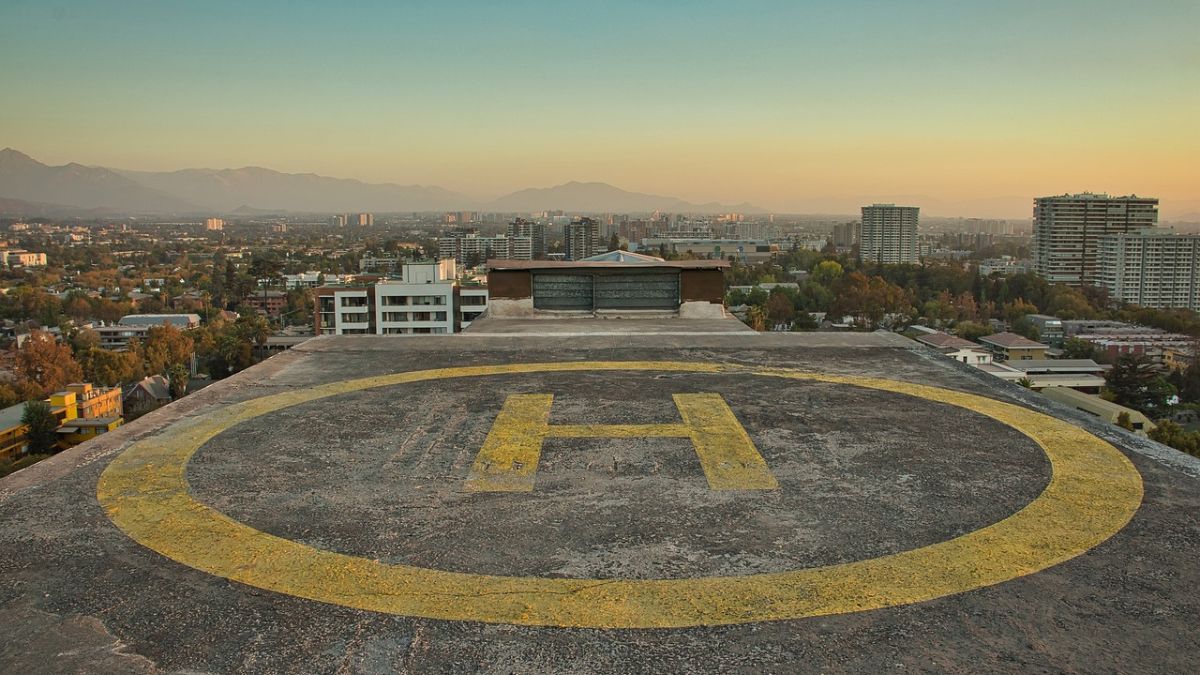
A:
(140, 312)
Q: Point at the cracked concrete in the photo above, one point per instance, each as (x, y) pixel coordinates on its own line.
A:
(378, 473)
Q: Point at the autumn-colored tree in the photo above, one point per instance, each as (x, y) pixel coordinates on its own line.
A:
(108, 368)
(1014, 311)
(965, 307)
(756, 318)
(43, 366)
(1069, 303)
(780, 308)
(166, 346)
(77, 307)
(870, 299)
(109, 311)
(84, 340)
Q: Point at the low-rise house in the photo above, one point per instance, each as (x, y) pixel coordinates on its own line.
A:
(1013, 347)
(150, 393)
(956, 348)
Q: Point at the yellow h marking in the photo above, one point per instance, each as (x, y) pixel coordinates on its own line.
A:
(508, 460)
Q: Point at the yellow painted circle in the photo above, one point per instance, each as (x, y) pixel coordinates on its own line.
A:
(1094, 490)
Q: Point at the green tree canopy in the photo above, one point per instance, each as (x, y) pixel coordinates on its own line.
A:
(43, 427)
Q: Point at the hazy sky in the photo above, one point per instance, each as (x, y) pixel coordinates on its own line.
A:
(785, 104)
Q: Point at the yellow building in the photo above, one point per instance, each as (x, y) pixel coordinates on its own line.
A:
(82, 411)
(79, 430)
(93, 403)
(12, 432)
(1177, 357)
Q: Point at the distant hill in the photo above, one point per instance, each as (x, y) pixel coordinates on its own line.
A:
(601, 197)
(256, 190)
(226, 190)
(74, 185)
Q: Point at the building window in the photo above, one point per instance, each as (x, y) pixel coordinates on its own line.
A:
(349, 317)
(354, 302)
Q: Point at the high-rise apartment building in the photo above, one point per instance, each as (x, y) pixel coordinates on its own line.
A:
(214, 224)
(470, 249)
(581, 239)
(845, 235)
(1067, 230)
(888, 234)
(536, 232)
(364, 219)
(1152, 268)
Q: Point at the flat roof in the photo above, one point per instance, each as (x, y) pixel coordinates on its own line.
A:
(607, 503)
(1011, 341)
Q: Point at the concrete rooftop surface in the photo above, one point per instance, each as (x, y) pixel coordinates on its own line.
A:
(515, 501)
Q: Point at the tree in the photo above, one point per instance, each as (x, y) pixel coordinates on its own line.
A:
(1170, 433)
(970, 330)
(756, 318)
(871, 299)
(1075, 348)
(166, 346)
(1017, 309)
(1135, 383)
(43, 427)
(780, 308)
(804, 321)
(1025, 382)
(1124, 421)
(614, 242)
(44, 366)
(1025, 328)
(107, 368)
(178, 375)
(826, 272)
(84, 340)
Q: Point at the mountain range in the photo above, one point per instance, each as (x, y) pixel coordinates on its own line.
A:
(75, 188)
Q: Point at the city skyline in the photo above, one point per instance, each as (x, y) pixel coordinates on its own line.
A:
(789, 106)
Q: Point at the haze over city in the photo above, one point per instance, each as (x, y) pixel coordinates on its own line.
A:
(968, 109)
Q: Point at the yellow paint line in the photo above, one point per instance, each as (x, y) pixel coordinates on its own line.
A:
(1093, 492)
(729, 458)
(508, 460)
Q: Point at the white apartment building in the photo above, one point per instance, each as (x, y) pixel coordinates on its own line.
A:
(424, 301)
(472, 303)
(1067, 230)
(888, 234)
(1151, 268)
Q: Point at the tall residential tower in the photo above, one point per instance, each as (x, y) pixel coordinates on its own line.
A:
(1067, 231)
(889, 234)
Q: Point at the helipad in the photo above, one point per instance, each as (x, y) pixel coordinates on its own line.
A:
(530, 502)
